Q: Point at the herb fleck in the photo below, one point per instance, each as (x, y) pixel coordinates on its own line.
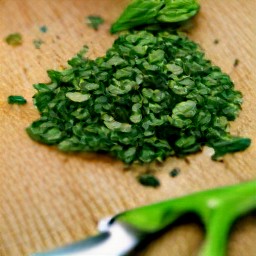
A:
(216, 41)
(16, 99)
(94, 21)
(236, 62)
(43, 29)
(148, 180)
(37, 43)
(174, 172)
(14, 39)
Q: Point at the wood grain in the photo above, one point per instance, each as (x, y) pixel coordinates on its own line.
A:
(49, 198)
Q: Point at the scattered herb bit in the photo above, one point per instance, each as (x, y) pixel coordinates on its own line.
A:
(174, 172)
(16, 99)
(149, 180)
(43, 29)
(94, 21)
(185, 26)
(37, 43)
(152, 95)
(14, 39)
(216, 41)
(236, 62)
(230, 144)
(146, 12)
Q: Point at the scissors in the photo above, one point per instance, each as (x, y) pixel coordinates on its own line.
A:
(121, 234)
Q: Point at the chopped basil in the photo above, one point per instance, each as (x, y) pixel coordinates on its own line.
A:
(14, 39)
(77, 96)
(174, 172)
(153, 95)
(37, 43)
(43, 29)
(228, 145)
(149, 180)
(16, 99)
(94, 21)
(216, 41)
(236, 62)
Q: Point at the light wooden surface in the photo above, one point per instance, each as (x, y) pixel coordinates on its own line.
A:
(49, 198)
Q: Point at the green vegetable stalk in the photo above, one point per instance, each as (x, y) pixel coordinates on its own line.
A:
(145, 12)
(217, 208)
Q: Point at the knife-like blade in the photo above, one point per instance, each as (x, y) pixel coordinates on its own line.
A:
(76, 249)
(115, 239)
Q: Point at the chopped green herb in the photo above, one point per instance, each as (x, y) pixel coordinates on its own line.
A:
(149, 180)
(37, 43)
(236, 62)
(14, 39)
(174, 172)
(152, 95)
(146, 12)
(43, 29)
(228, 145)
(216, 41)
(16, 99)
(94, 21)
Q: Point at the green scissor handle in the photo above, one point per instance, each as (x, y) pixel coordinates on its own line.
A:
(217, 208)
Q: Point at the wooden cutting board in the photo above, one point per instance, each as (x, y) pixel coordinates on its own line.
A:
(49, 198)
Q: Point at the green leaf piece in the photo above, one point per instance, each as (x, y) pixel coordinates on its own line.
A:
(185, 109)
(77, 96)
(178, 10)
(147, 12)
(138, 12)
(14, 39)
(43, 29)
(228, 145)
(94, 21)
(16, 99)
(37, 43)
(149, 180)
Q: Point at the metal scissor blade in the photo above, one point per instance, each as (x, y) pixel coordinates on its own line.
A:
(118, 240)
(76, 249)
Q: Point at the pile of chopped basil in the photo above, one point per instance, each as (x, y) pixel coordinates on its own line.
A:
(152, 95)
